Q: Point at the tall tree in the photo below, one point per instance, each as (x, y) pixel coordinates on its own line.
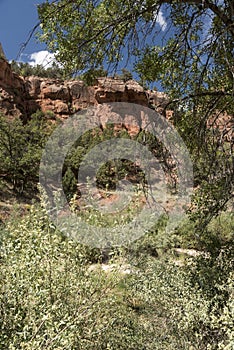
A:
(185, 45)
(21, 149)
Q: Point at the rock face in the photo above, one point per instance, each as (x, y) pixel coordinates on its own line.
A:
(20, 97)
(116, 90)
(63, 98)
(14, 97)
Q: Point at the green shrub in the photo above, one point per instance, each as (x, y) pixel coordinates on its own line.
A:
(50, 300)
(21, 148)
(188, 307)
(25, 69)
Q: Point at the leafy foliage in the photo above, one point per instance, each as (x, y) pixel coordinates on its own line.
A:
(110, 173)
(51, 297)
(21, 148)
(89, 77)
(25, 70)
(189, 308)
(192, 58)
(48, 297)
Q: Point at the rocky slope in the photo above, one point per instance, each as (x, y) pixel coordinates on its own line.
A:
(20, 97)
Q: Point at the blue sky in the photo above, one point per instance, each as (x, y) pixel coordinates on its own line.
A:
(17, 18)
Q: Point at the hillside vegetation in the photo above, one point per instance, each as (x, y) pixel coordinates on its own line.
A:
(169, 288)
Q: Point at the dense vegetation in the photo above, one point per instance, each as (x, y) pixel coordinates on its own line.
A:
(21, 148)
(54, 291)
(53, 298)
(25, 69)
(192, 59)
(89, 77)
(55, 294)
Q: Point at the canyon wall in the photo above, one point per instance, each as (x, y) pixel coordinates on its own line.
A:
(23, 96)
(20, 97)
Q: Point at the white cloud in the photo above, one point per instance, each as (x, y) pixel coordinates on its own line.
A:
(44, 58)
(161, 20)
(158, 16)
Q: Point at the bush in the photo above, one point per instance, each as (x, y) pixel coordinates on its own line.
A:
(25, 70)
(21, 147)
(188, 307)
(50, 300)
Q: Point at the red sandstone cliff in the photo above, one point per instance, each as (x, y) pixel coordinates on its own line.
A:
(23, 96)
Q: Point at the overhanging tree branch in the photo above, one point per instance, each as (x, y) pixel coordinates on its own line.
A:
(204, 4)
(197, 95)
